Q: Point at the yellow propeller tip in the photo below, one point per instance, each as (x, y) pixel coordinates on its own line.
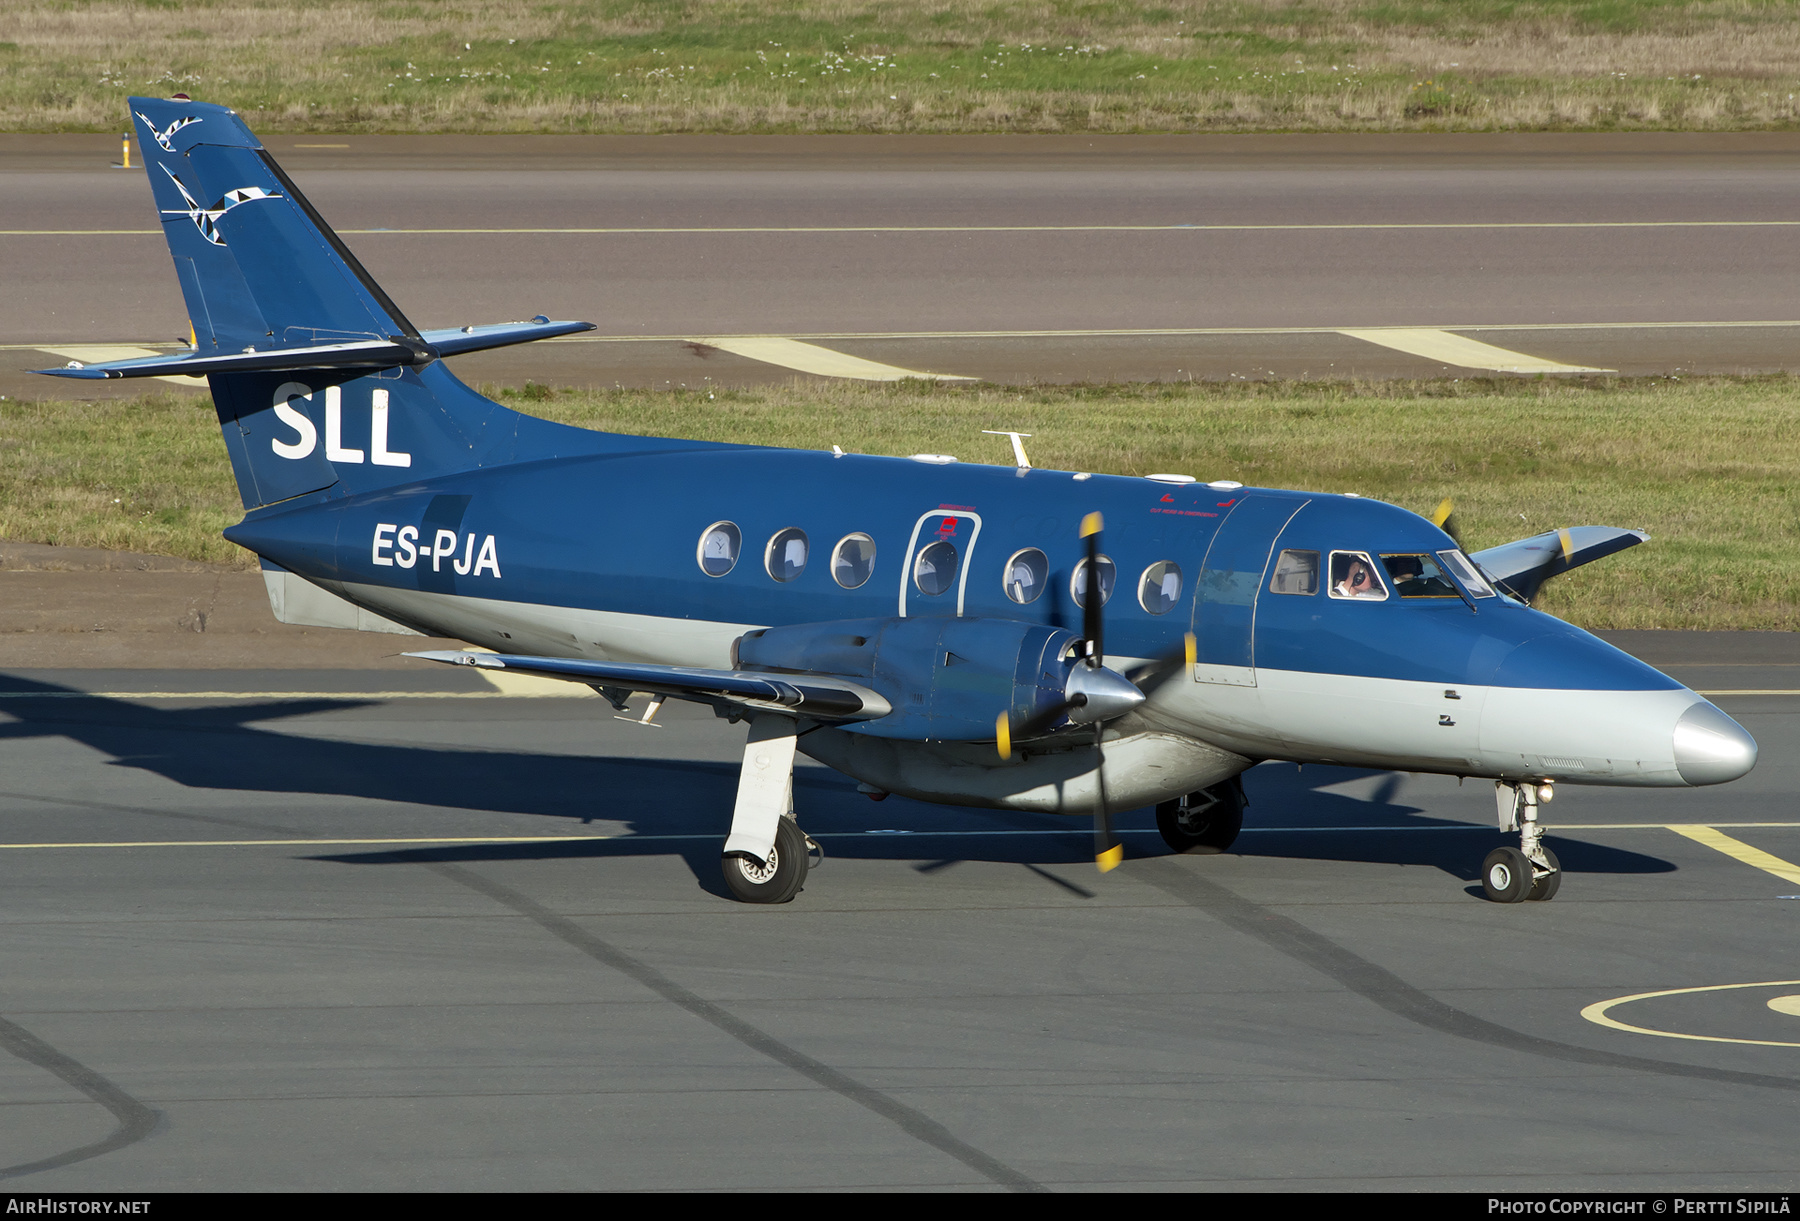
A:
(1192, 648)
(1568, 547)
(1003, 736)
(1443, 512)
(1109, 860)
(1091, 524)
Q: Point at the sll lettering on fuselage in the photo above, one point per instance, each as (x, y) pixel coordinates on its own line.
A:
(399, 545)
(308, 436)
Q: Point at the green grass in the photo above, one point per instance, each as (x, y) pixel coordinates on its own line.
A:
(1709, 466)
(890, 65)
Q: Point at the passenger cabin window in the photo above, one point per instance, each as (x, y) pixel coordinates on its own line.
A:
(1417, 575)
(1464, 570)
(1159, 589)
(1026, 574)
(1078, 584)
(1353, 576)
(1296, 572)
(718, 551)
(934, 571)
(853, 562)
(786, 556)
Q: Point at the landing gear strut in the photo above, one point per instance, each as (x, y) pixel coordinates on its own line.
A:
(1204, 823)
(1530, 871)
(767, 855)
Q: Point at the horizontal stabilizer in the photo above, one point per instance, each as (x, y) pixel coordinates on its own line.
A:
(1523, 566)
(353, 354)
(818, 697)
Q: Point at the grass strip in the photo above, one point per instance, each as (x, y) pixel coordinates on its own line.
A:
(1708, 466)
(894, 66)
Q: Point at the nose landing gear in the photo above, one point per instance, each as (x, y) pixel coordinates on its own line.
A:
(1530, 871)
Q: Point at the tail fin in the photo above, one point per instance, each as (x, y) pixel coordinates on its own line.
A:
(318, 378)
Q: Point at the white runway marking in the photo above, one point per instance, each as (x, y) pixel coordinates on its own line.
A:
(1462, 351)
(811, 358)
(94, 353)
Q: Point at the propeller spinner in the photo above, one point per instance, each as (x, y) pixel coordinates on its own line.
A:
(1095, 695)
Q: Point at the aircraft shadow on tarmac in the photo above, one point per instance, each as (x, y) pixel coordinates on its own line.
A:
(223, 747)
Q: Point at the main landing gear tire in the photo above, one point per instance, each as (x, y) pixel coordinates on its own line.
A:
(1545, 887)
(1203, 823)
(1506, 876)
(776, 880)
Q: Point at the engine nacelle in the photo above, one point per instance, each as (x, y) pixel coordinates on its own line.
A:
(948, 679)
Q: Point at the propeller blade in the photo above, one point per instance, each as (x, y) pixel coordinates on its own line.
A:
(1108, 852)
(1150, 676)
(1005, 731)
(1090, 611)
(1444, 518)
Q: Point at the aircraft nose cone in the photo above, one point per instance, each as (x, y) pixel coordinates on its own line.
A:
(1109, 694)
(1710, 747)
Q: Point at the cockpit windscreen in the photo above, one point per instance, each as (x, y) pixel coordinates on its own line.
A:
(1417, 575)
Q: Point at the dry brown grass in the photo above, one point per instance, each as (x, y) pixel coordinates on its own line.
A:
(738, 65)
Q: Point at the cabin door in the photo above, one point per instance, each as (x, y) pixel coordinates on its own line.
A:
(1230, 580)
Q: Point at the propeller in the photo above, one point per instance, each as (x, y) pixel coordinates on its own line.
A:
(1444, 518)
(1095, 694)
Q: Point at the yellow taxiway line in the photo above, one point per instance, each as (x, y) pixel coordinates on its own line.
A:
(1459, 350)
(824, 362)
(401, 841)
(1597, 1012)
(1739, 850)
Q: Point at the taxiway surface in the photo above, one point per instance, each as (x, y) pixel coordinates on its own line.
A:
(1031, 260)
(305, 930)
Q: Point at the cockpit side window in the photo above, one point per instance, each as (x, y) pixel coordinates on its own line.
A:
(1353, 575)
(1296, 572)
(1417, 575)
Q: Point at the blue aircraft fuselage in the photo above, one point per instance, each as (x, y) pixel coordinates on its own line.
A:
(598, 556)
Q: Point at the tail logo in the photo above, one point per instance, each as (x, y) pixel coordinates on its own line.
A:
(306, 436)
(162, 137)
(207, 219)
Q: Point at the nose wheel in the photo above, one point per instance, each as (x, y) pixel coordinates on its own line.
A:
(1530, 871)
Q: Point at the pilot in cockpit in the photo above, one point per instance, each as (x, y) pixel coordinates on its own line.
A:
(1354, 577)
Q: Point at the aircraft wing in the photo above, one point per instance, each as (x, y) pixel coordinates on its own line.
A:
(1523, 566)
(817, 697)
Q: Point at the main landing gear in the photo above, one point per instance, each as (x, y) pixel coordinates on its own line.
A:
(1206, 822)
(767, 855)
(1530, 871)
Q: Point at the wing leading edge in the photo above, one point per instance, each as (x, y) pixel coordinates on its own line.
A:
(814, 696)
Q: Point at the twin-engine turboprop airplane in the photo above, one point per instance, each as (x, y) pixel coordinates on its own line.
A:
(929, 628)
